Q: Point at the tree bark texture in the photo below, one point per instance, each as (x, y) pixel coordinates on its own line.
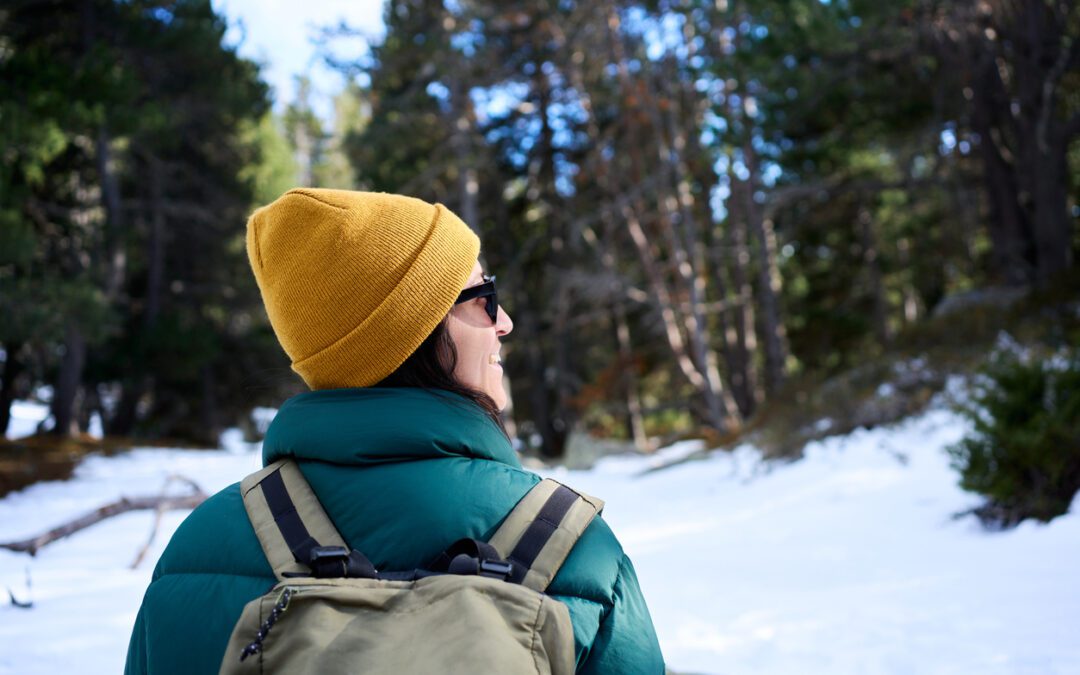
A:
(67, 382)
(122, 505)
(155, 254)
(13, 367)
(1016, 55)
(468, 181)
(1012, 250)
(743, 336)
(690, 350)
(872, 262)
(768, 292)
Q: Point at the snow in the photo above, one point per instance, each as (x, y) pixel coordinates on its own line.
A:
(85, 596)
(848, 561)
(25, 417)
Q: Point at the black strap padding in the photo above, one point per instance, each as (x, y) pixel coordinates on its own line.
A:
(539, 531)
(352, 563)
(288, 520)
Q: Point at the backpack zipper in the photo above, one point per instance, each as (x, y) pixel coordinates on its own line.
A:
(279, 608)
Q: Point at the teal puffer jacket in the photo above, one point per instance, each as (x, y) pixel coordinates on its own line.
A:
(403, 473)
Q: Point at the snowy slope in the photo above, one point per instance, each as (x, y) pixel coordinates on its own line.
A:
(845, 562)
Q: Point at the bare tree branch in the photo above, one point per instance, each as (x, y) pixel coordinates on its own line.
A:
(160, 503)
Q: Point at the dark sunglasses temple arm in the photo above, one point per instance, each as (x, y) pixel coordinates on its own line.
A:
(481, 290)
(472, 292)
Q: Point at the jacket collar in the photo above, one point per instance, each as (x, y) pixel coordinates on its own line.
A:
(379, 425)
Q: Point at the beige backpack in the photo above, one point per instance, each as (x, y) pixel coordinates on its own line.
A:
(480, 608)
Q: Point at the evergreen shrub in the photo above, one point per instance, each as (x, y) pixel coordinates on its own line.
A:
(1023, 453)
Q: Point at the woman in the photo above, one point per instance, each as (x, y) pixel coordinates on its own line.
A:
(385, 312)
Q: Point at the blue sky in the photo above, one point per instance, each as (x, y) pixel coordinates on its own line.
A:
(278, 34)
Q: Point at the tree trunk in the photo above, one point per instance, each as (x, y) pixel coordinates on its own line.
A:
(1052, 228)
(1048, 51)
(911, 297)
(689, 251)
(551, 429)
(719, 408)
(124, 417)
(1018, 54)
(1012, 254)
(774, 333)
(740, 369)
(628, 380)
(563, 417)
(67, 382)
(628, 386)
(91, 403)
(868, 241)
(13, 367)
(558, 361)
(468, 182)
(730, 249)
(717, 412)
(115, 254)
(741, 374)
(744, 336)
(155, 268)
(628, 377)
(210, 419)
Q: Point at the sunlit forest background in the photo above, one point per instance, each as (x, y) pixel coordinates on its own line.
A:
(707, 217)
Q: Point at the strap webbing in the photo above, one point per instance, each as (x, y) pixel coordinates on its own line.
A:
(542, 529)
(288, 520)
(287, 516)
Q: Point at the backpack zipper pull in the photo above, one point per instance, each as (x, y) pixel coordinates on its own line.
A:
(279, 608)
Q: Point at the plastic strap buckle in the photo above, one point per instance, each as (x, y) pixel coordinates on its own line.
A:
(495, 569)
(329, 561)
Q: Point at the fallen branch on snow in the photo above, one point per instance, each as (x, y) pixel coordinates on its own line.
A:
(160, 503)
(21, 604)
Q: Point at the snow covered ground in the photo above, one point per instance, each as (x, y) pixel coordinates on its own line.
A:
(845, 562)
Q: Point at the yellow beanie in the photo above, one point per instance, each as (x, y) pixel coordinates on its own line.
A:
(354, 282)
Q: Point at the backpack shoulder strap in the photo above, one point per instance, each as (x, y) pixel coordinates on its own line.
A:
(287, 516)
(537, 535)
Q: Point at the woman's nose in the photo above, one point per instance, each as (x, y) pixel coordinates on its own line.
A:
(503, 323)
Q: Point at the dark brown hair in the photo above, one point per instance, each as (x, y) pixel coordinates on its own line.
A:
(432, 365)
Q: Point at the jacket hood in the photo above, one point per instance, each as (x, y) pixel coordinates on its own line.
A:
(380, 425)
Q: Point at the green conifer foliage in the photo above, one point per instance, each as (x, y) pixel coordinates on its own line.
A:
(1024, 452)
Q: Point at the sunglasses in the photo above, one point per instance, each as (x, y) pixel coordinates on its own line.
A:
(484, 290)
